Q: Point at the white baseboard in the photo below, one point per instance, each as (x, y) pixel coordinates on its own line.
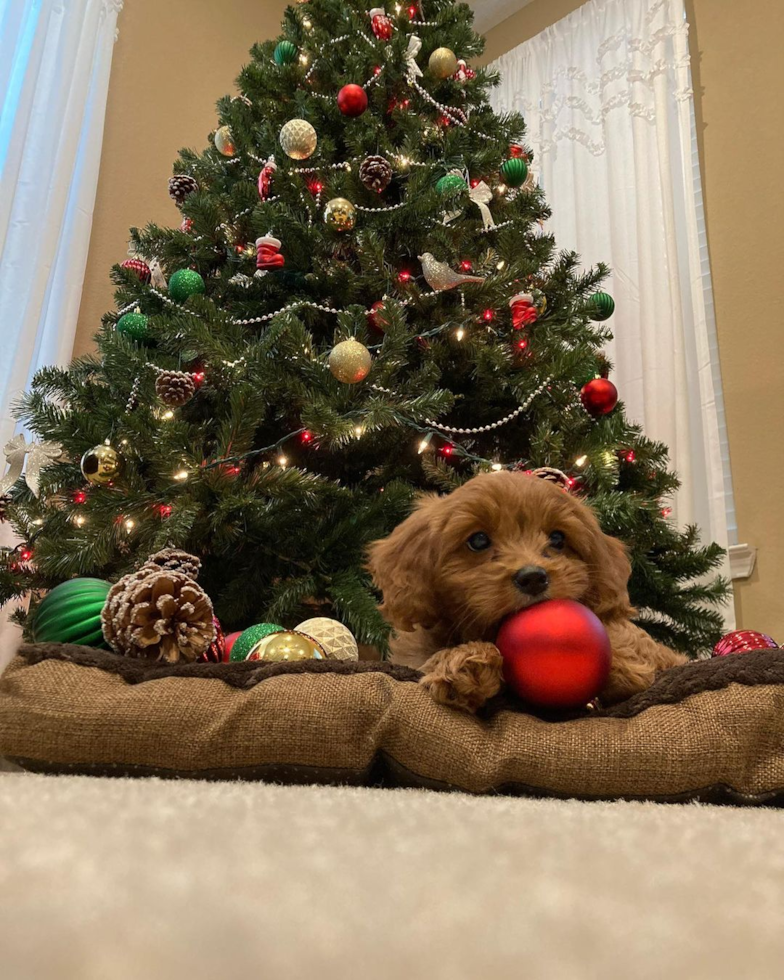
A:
(742, 560)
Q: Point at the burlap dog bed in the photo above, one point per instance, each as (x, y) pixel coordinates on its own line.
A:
(710, 731)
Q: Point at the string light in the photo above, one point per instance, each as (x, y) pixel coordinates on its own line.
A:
(167, 415)
(26, 554)
(359, 431)
(412, 11)
(424, 444)
(581, 461)
(130, 525)
(38, 522)
(283, 462)
(466, 265)
(521, 344)
(501, 265)
(501, 189)
(307, 24)
(79, 520)
(460, 333)
(629, 456)
(496, 467)
(79, 496)
(180, 475)
(165, 510)
(448, 449)
(666, 512)
(488, 315)
(404, 276)
(303, 59)
(307, 437)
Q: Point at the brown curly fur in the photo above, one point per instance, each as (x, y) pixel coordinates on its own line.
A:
(446, 601)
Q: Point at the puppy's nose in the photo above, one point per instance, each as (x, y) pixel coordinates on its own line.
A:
(532, 580)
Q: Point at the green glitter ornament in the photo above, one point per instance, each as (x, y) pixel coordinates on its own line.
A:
(514, 171)
(71, 613)
(185, 283)
(450, 182)
(601, 306)
(248, 639)
(285, 53)
(134, 325)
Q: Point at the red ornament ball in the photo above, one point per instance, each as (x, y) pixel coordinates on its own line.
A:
(229, 642)
(599, 396)
(352, 100)
(743, 641)
(556, 654)
(140, 267)
(216, 652)
(375, 318)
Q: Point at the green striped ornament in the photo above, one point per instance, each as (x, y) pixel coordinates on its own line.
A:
(71, 613)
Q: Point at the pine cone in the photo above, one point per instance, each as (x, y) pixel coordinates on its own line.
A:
(5, 500)
(174, 388)
(174, 560)
(375, 173)
(180, 186)
(162, 615)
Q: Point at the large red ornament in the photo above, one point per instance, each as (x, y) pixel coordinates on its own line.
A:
(599, 396)
(523, 309)
(140, 267)
(268, 253)
(556, 654)
(229, 642)
(352, 100)
(381, 24)
(743, 641)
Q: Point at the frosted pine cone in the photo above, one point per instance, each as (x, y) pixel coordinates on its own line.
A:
(175, 560)
(180, 186)
(375, 173)
(162, 615)
(174, 388)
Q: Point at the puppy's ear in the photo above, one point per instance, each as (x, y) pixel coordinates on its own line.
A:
(404, 567)
(608, 595)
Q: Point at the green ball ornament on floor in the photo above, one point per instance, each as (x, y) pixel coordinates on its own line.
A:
(285, 53)
(248, 639)
(185, 283)
(134, 325)
(514, 171)
(71, 613)
(450, 182)
(601, 306)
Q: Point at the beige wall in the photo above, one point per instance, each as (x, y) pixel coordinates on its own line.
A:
(738, 75)
(174, 59)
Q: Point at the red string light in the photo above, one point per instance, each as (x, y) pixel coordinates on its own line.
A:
(307, 437)
(79, 496)
(377, 70)
(26, 554)
(629, 456)
(488, 315)
(448, 449)
(521, 344)
(466, 265)
(475, 182)
(165, 510)
(198, 377)
(412, 11)
(666, 512)
(404, 275)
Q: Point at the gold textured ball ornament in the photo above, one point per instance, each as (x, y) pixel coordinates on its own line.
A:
(298, 139)
(224, 141)
(334, 637)
(101, 464)
(340, 214)
(287, 647)
(442, 63)
(350, 362)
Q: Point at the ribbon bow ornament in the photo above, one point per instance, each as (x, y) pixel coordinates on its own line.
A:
(39, 456)
(414, 47)
(481, 195)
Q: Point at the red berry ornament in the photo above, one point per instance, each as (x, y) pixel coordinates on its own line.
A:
(599, 396)
(352, 100)
(743, 641)
(556, 654)
(140, 267)
(381, 24)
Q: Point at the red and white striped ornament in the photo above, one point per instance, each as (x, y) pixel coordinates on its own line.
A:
(140, 267)
(743, 641)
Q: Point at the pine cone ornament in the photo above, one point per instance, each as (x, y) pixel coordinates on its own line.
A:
(180, 186)
(5, 500)
(174, 560)
(175, 388)
(162, 615)
(375, 173)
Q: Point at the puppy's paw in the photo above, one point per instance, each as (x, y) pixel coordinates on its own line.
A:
(464, 677)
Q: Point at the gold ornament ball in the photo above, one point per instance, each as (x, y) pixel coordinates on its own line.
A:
(442, 63)
(101, 465)
(350, 362)
(298, 139)
(288, 647)
(224, 142)
(338, 640)
(340, 214)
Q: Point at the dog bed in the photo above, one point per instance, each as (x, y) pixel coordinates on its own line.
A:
(711, 731)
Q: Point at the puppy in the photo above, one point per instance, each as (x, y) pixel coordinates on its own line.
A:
(459, 564)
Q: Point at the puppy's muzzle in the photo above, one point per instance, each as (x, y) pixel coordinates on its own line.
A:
(531, 580)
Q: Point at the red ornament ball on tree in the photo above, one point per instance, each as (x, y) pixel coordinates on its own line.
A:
(140, 267)
(352, 100)
(376, 320)
(743, 641)
(599, 396)
(556, 654)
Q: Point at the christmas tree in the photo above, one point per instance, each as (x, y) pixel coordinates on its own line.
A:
(360, 304)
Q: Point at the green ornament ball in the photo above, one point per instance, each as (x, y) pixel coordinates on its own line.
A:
(601, 306)
(450, 182)
(514, 171)
(71, 613)
(134, 325)
(248, 639)
(285, 53)
(185, 283)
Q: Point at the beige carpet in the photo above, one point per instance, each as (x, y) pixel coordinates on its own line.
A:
(124, 880)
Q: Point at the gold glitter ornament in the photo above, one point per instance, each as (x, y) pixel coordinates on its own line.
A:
(224, 142)
(336, 639)
(101, 465)
(442, 63)
(298, 139)
(340, 214)
(350, 362)
(288, 647)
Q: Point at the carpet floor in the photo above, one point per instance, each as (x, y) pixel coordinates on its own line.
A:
(130, 879)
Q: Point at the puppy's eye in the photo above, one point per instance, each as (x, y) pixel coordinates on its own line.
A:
(479, 541)
(557, 540)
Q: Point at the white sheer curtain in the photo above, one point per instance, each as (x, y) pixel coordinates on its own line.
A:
(55, 59)
(606, 94)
